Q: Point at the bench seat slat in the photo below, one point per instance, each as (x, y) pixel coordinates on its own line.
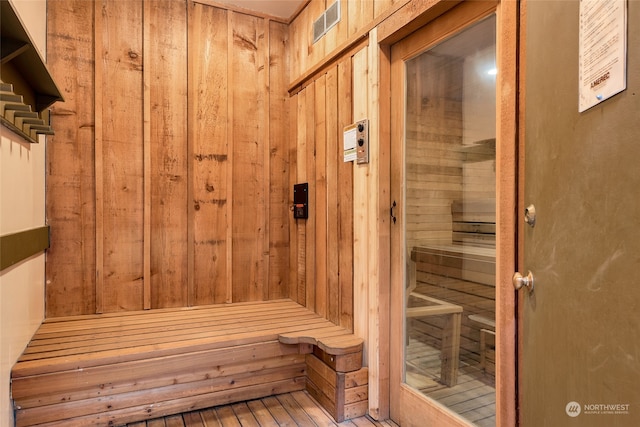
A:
(164, 333)
(212, 334)
(212, 319)
(236, 307)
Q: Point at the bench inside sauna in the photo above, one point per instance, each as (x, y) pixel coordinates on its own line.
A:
(451, 303)
(119, 368)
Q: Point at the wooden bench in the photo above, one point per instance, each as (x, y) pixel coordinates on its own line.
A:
(112, 369)
(487, 342)
(450, 338)
(462, 276)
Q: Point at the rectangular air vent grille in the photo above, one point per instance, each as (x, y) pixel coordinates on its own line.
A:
(326, 21)
(318, 28)
(332, 16)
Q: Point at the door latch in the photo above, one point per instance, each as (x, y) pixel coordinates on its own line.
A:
(393, 217)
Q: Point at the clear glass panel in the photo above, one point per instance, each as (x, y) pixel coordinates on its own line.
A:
(450, 222)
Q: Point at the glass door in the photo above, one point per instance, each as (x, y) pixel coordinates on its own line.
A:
(450, 222)
(444, 96)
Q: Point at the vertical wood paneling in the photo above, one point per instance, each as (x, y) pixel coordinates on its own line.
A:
(231, 79)
(209, 161)
(346, 195)
(383, 134)
(301, 35)
(333, 159)
(316, 51)
(278, 182)
(378, 237)
(301, 176)
(266, 129)
(166, 64)
(70, 185)
(98, 53)
(192, 155)
(338, 34)
(146, 150)
(320, 193)
(294, 109)
(122, 155)
(249, 222)
(310, 237)
(324, 242)
(360, 208)
(360, 14)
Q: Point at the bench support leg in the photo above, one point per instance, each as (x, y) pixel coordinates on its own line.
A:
(450, 349)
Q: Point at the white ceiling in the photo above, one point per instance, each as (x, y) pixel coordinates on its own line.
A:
(279, 8)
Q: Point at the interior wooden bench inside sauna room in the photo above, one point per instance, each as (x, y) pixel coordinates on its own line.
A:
(455, 288)
(118, 368)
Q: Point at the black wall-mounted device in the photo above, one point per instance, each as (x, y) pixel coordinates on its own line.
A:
(301, 201)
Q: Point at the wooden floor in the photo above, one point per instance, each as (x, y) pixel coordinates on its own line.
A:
(474, 396)
(290, 409)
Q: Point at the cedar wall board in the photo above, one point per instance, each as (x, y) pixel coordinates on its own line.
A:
(355, 17)
(168, 179)
(323, 269)
(70, 202)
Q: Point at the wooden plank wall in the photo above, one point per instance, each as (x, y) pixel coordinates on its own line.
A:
(434, 163)
(323, 243)
(355, 15)
(168, 177)
(353, 41)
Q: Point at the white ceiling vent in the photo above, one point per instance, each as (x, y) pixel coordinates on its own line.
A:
(326, 21)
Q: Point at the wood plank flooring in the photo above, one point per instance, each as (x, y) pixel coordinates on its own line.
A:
(473, 397)
(289, 409)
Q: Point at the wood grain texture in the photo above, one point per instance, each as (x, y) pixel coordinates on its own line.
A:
(324, 242)
(308, 156)
(279, 162)
(189, 183)
(98, 153)
(122, 156)
(346, 195)
(264, 411)
(70, 184)
(361, 196)
(167, 68)
(249, 222)
(123, 367)
(209, 160)
(321, 206)
(333, 159)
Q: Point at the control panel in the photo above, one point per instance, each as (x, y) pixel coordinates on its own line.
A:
(362, 141)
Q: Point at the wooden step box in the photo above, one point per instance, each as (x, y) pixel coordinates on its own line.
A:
(338, 383)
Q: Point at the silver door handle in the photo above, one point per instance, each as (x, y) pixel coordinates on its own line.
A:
(520, 281)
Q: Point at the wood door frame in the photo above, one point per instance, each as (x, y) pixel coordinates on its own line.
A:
(507, 13)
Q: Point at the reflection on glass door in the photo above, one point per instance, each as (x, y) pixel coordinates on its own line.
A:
(450, 222)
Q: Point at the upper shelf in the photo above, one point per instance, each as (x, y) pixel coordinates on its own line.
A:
(21, 62)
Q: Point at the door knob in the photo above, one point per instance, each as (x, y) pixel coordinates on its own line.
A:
(519, 281)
